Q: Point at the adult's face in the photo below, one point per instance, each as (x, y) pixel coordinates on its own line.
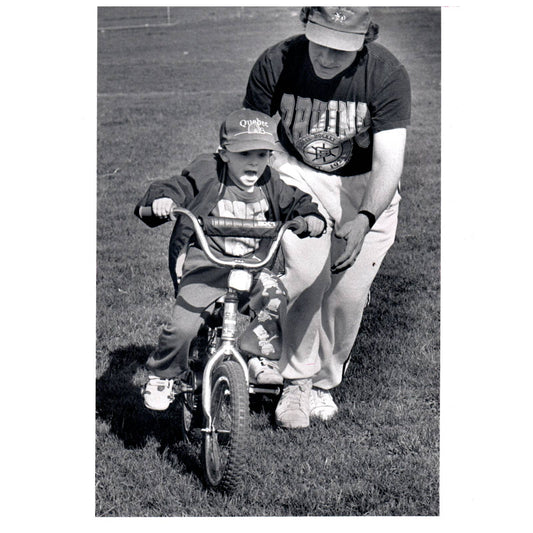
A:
(327, 62)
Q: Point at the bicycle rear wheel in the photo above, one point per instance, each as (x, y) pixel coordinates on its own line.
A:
(224, 449)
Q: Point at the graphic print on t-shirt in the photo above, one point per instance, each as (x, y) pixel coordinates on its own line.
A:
(237, 203)
(324, 132)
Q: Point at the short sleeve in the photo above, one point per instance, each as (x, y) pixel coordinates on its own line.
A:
(263, 79)
(391, 106)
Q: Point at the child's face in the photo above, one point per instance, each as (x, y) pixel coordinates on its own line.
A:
(245, 168)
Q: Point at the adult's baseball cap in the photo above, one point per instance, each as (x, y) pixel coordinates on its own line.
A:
(249, 130)
(340, 28)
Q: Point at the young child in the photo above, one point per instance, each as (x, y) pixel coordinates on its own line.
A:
(235, 182)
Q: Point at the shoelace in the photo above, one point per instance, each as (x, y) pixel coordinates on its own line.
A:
(293, 399)
(161, 384)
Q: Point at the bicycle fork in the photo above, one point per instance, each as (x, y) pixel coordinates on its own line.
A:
(227, 348)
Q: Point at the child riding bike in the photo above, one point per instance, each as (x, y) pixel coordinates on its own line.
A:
(234, 182)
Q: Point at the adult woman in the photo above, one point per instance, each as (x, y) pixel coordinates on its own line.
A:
(344, 103)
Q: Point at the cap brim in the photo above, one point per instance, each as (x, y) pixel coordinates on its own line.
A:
(243, 146)
(338, 40)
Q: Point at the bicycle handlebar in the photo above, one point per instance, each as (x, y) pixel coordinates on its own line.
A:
(235, 227)
(240, 227)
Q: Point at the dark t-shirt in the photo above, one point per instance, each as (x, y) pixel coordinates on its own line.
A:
(329, 124)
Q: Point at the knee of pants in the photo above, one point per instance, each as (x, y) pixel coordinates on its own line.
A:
(269, 286)
(348, 295)
(178, 333)
(181, 329)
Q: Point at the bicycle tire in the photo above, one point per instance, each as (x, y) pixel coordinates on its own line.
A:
(224, 450)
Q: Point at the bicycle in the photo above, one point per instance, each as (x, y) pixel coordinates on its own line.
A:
(214, 393)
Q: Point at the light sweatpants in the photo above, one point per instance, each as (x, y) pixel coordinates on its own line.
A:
(325, 309)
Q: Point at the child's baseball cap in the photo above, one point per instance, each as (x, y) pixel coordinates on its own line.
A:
(340, 28)
(248, 130)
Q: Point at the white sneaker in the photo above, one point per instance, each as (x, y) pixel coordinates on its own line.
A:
(264, 371)
(292, 410)
(158, 393)
(321, 404)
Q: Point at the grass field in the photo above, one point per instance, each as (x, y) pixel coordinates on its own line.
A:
(163, 90)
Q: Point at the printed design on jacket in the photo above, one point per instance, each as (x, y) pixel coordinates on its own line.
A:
(324, 132)
(239, 246)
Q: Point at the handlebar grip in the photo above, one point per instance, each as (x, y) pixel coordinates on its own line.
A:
(145, 211)
(240, 227)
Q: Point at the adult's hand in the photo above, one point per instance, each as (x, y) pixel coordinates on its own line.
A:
(389, 148)
(353, 232)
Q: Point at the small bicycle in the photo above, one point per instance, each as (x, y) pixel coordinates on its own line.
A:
(214, 393)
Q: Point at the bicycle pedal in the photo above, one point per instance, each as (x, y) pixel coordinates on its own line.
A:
(258, 389)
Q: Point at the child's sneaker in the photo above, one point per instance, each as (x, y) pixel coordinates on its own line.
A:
(158, 393)
(264, 371)
(321, 404)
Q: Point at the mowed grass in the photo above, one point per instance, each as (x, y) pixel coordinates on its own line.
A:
(162, 93)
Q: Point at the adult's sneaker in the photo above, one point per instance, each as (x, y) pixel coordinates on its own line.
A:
(321, 404)
(263, 371)
(158, 393)
(293, 407)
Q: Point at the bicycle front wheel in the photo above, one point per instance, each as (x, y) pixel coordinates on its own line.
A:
(224, 449)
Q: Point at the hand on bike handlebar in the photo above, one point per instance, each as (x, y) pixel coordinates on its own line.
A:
(162, 207)
(312, 226)
(315, 226)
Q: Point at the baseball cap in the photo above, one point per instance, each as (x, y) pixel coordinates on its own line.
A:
(340, 28)
(248, 130)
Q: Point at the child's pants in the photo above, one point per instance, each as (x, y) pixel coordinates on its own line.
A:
(267, 301)
(325, 309)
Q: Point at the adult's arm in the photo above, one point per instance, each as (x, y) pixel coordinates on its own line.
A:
(387, 166)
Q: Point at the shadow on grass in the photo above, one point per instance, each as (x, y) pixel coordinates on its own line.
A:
(119, 403)
(263, 411)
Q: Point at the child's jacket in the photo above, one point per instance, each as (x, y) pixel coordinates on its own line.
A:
(201, 185)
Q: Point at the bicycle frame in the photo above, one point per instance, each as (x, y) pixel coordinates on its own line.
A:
(227, 348)
(229, 324)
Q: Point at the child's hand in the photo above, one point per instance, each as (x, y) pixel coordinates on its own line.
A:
(315, 225)
(162, 207)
